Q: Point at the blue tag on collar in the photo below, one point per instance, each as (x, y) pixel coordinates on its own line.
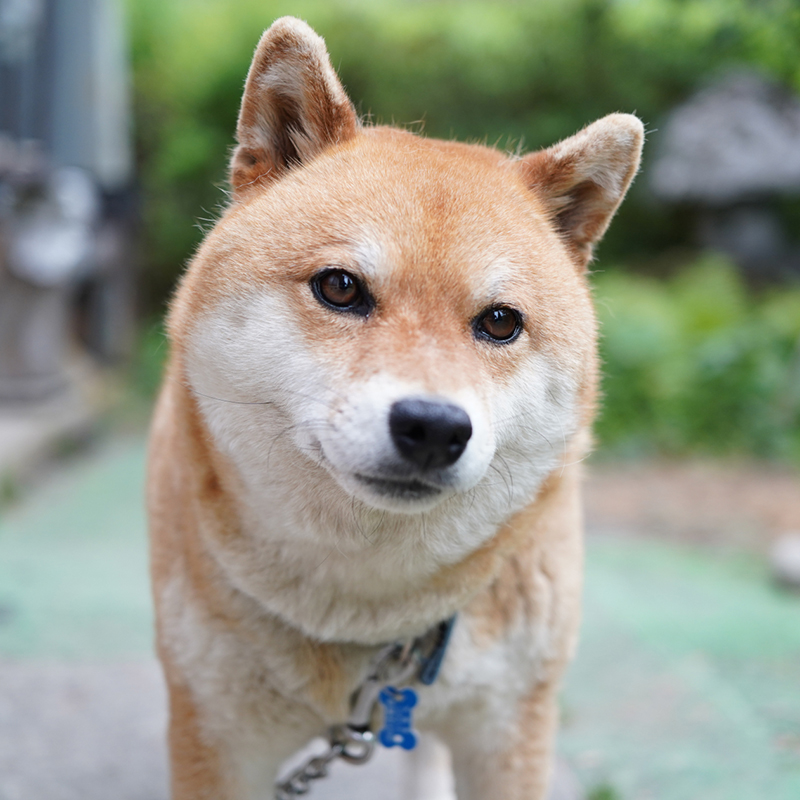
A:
(397, 723)
(429, 670)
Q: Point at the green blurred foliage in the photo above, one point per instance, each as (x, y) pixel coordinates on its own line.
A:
(508, 72)
(698, 363)
(603, 792)
(147, 365)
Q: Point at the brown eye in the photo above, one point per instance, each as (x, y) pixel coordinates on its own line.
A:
(501, 324)
(341, 290)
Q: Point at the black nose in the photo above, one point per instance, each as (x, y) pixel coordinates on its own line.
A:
(429, 434)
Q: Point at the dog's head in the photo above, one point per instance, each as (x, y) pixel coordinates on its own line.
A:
(408, 317)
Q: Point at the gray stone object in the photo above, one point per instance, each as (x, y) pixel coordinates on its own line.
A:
(728, 153)
(736, 139)
(66, 193)
(784, 559)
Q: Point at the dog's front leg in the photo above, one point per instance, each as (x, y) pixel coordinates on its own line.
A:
(512, 761)
(197, 762)
(233, 760)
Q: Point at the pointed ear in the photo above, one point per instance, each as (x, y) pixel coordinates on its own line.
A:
(583, 179)
(293, 106)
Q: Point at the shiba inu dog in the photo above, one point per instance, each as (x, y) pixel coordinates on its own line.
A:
(382, 379)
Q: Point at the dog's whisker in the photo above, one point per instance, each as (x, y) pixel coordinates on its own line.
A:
(564, 454)
(573, 463)
(357, 522)
(507, 485)
(499, 473)
(473, 497)
(233, 402)
(325, 559)
(511, 493)
(340, 551)
(522, 415)
(309, 425)
(297, 392)
(379, 523)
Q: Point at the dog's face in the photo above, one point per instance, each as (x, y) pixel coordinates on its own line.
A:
(408, 317)
(401, 318)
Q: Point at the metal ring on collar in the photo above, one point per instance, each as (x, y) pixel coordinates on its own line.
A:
(356, 746)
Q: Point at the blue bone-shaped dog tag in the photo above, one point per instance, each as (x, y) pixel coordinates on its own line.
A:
(396, 730)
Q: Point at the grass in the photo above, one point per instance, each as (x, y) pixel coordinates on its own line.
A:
(603, 791)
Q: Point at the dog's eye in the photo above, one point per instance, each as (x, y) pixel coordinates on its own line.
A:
(340, 289)
(499, 324)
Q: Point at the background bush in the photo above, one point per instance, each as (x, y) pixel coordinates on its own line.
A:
(693, 361)
(698, 363)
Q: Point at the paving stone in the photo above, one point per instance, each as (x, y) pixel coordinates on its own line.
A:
(72, 731)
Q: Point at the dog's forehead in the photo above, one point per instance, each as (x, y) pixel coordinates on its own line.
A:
(478, 272)
(398, 207)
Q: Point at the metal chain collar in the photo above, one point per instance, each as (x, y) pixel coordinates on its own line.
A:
(354, 741)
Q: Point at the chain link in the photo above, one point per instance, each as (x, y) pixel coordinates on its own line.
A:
(345, 743)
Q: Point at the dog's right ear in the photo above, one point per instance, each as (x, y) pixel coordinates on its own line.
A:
(293, 106)
(583, 179)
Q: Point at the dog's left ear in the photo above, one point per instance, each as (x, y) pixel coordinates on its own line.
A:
(583, 179)
(293, 107)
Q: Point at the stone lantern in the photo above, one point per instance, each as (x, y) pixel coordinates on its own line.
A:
(65, 188)
(731, 151)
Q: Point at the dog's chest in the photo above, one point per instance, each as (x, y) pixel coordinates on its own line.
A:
(485, 678)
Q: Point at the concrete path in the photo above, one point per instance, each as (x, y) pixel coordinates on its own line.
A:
(687, 683)
(81, 731)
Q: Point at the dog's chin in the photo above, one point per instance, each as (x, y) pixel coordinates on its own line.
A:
(405, 496)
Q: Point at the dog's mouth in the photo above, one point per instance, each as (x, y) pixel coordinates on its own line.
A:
(401, 490)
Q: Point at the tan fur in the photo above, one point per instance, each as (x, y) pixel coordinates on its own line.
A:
(275, 581)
